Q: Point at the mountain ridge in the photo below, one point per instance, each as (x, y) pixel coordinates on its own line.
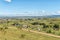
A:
(49, 16)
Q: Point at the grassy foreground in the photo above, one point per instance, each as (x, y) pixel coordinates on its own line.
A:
(18, 34)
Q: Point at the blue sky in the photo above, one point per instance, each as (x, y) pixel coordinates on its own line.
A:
(29, 7)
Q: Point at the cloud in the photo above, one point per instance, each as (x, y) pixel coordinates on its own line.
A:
(58, 11)
(43, 11)
(8, 0)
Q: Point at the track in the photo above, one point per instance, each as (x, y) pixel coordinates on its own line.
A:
(38, 32)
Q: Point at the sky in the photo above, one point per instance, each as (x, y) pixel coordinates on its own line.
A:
(29, 7)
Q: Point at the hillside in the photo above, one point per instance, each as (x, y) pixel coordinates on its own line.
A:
(15, 34)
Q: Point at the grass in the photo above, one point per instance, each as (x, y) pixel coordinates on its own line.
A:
(17, 34)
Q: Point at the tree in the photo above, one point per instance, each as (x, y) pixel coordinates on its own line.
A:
(55, 26)
(42, 23)
(45, 26)
(35, 23)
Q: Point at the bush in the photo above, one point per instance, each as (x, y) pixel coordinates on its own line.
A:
(56, 27)
(15, 24)
(22, 36)
(35, 23)
(42, 23)
(45, 26)
(1, 29)
(6, 27)
(49, 31)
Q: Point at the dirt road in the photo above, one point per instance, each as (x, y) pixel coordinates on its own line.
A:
(37, 32)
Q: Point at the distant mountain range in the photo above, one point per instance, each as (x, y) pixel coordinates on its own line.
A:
(50, 16)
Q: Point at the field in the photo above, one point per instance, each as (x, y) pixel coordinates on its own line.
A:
(15, 34)
(13, 29)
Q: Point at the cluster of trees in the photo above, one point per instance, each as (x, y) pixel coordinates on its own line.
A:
(46, 27)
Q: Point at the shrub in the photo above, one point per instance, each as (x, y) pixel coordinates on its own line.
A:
(49, 31)
(15, 24)
(1, 29)
(22, 36)
(45, 26)
(6, 27)
(42, 23)
(56, 27)
(35, 23)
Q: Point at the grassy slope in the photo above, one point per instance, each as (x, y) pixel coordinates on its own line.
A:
(15, 34)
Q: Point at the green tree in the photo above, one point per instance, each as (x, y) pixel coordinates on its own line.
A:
(55, 26)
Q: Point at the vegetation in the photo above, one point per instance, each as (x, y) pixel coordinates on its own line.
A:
(11, 29)
(15, 34)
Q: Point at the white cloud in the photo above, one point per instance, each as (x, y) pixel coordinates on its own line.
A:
(58, 11)
(43, 11)
(8, 0)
